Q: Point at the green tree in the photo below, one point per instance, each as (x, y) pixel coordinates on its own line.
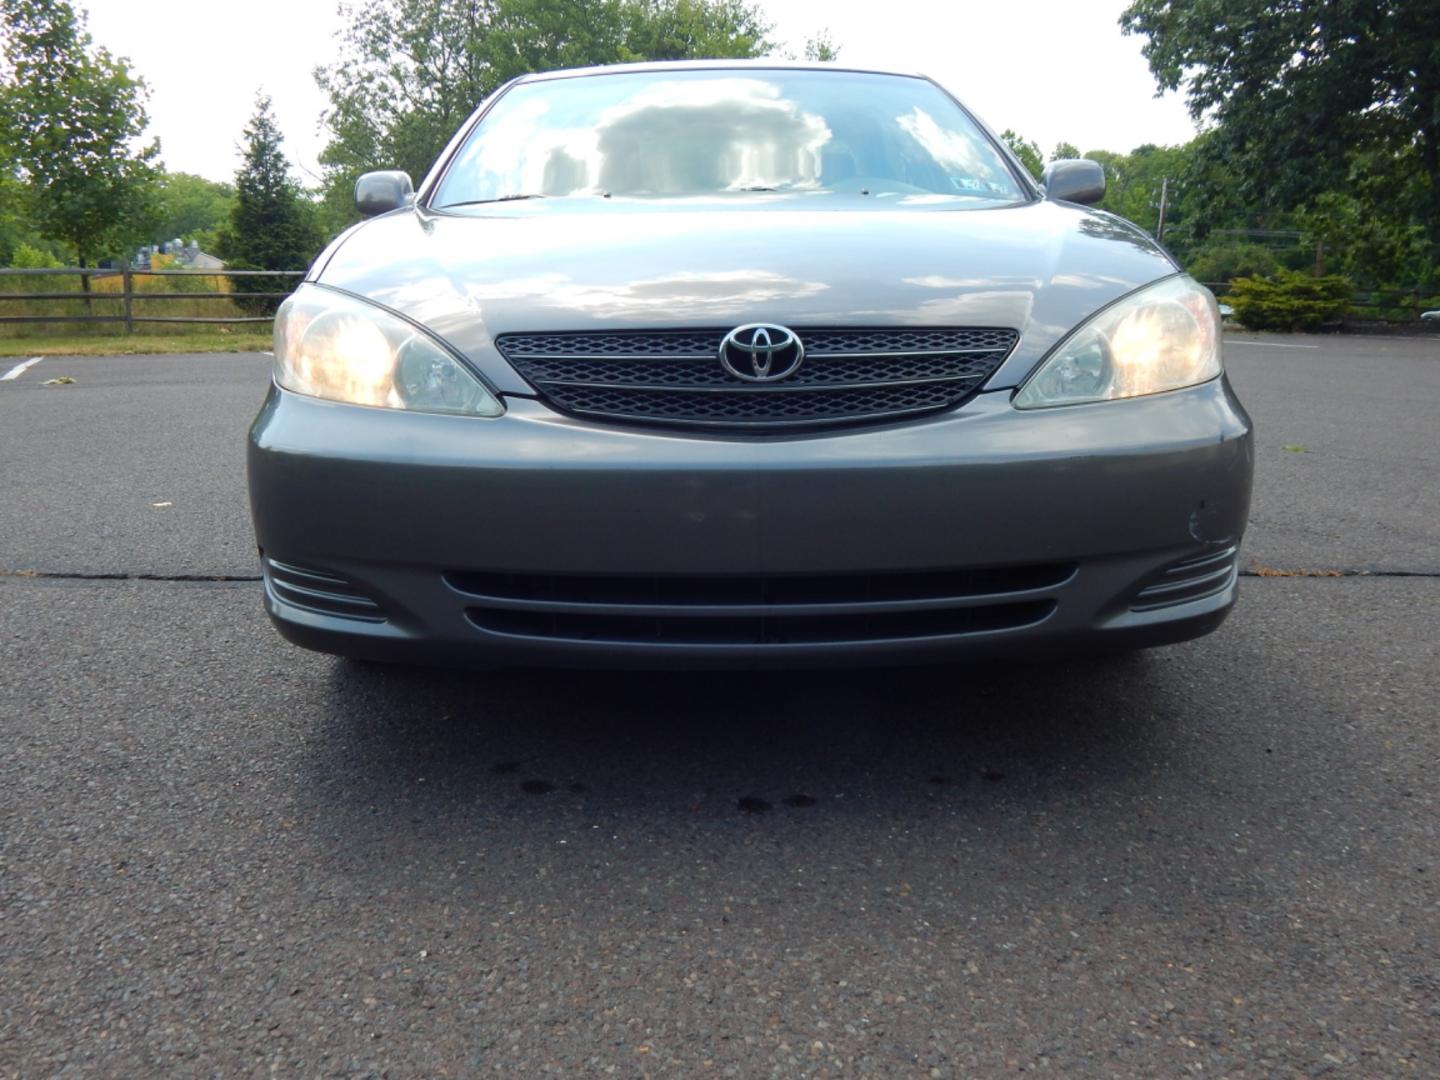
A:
(822, 47)
(192, 207)
(17, 216)
(1064, 150)
(272, 226)
(687, 30)
(1229, 260)
(410, 71)
(1134, 182)
(1294, 89)
(1027, 150)
(1368, 248)
(71, 115)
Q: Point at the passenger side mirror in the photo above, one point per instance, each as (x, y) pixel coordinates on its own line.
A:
(1076, 180)
(380, 192)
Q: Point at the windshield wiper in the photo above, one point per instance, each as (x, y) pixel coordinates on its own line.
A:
(501, 198)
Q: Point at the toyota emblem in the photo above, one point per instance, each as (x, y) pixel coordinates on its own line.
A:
(761, 352)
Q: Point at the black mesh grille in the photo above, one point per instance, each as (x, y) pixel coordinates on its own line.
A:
(611, 343)
(686, 374)
(755, 405)
(675, 377)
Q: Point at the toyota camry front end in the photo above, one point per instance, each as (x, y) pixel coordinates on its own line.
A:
(743, 364)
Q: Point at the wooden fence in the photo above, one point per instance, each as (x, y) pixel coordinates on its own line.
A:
(128, 297)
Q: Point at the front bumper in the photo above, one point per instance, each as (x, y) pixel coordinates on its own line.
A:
(534, 539)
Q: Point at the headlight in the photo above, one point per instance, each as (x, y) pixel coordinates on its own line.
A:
(333, 346)
(1161, 338)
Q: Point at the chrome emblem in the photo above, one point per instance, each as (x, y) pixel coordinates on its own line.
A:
(761, 352)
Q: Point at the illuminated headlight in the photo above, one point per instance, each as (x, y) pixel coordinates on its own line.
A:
(1161, 338)
(334, 346)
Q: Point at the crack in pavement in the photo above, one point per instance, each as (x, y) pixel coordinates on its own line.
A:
(1275, 572)
(62, 575)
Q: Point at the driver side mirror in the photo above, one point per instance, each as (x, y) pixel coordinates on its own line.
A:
(381, 192)
(1076, 180)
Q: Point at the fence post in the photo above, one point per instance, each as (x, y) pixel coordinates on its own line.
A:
(126, 284)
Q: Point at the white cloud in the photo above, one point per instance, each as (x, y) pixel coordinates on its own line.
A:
(205, 60)
(1050, 70)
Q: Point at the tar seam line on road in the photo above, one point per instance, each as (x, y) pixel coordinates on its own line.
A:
(64, 575)
(1269, 344)
(1276, 572)
(61, 575)
(20, 368)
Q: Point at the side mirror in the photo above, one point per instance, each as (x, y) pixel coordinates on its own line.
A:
(380, 192)
(1074, 180)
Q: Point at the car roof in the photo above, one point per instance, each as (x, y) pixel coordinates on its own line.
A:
(713, 65)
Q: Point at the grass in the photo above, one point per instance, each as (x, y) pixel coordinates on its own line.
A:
(212, 300)
(195, 341)
(206, 296)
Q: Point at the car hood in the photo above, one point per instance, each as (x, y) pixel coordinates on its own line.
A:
(1039, 268)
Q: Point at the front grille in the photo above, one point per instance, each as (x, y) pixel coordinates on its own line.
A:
(1190, 579)
(320, 591)
(675, 376)
(776, 609)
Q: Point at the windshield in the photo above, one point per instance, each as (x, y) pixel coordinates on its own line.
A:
(733, 134)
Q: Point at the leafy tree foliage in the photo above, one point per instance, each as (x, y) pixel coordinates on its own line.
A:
(822, 47)
(687, 30)
(272, 226)
(1027, 150)
(1295, 90)
(410, 71)
(1227, 261)
(192, 207)
(70, 117)
(1134, 181)
(17, 227)
(1369, 248)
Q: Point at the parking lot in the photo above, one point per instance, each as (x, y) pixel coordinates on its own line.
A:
(223, 856)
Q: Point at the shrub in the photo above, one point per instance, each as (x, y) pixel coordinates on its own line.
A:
(1226, 262)
(1287, 300)
(32, 258)
(1394, 305)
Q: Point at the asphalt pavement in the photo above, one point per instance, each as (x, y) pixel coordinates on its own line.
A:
(224, 856)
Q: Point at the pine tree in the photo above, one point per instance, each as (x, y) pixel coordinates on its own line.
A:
(272, 226)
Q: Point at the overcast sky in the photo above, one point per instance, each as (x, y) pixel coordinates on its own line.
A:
(1050, 69)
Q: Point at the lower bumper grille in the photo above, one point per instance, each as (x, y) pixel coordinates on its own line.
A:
(675, 377)
(760, 611)
(779, 629)
(1192, 579)
(320, 591)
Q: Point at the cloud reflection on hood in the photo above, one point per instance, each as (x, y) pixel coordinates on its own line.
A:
(699, 294)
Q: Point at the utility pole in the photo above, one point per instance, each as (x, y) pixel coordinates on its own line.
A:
(1164, 192)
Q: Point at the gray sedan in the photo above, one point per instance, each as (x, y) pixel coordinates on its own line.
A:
(743, 364)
